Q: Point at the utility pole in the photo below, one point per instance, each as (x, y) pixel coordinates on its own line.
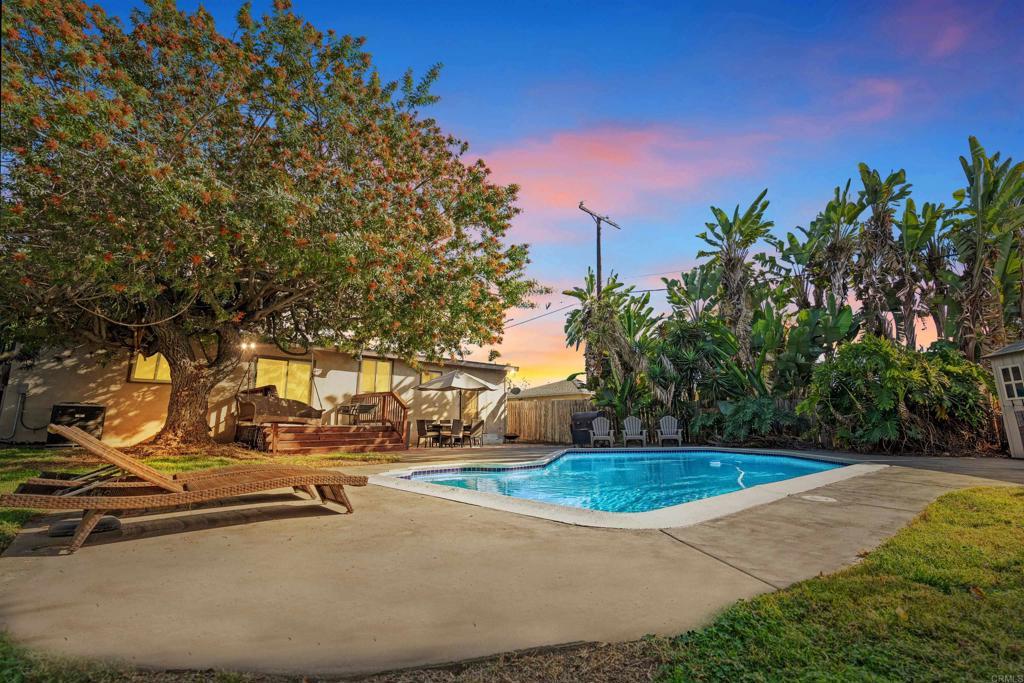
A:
(598, 220)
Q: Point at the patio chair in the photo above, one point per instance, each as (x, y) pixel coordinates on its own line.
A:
(452, 434)
(668, 430)
(431, 436)
(262, 405)
(600, 431)
(127, 484)
(476, 434)
(632, 430)
(361, 410)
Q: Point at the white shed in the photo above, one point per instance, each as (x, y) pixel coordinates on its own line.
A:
(1008, 368)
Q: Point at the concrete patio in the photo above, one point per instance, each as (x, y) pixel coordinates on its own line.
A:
(283, 585)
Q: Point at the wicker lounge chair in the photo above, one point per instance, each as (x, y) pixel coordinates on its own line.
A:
(668, 430)
(600, 430)
(127, 484)
(632, 430)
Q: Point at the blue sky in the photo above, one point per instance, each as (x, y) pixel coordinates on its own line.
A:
(653, 111)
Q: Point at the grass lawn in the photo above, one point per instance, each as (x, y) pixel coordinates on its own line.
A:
(941, 600)
(18, 464)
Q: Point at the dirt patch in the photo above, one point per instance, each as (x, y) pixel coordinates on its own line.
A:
(638, 660)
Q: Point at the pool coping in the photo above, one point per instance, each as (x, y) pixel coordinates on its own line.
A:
(673, 516)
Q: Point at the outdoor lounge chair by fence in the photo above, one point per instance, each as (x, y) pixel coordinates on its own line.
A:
(600, 430)
(632, 430)
(668, 430)
(128, 484)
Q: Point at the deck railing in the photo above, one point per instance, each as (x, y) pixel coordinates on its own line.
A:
(388, 409)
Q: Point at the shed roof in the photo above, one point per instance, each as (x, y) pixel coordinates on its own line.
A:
(1015, 347)
(563, 388)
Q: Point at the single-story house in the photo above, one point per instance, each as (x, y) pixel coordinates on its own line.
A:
(564, 389)
(134, 390)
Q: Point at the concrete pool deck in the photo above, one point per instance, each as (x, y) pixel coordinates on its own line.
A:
(412, 580)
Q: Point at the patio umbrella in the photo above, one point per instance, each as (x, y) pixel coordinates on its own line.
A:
(459, 381)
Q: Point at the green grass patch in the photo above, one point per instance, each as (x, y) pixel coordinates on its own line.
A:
(941, 600)
(17, 465)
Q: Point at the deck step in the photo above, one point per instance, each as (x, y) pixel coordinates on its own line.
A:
(304, 439)
(336, 443)
(363, 448)
(328, 429)
(336, 436)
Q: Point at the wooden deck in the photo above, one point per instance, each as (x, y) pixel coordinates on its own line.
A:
(296, 440)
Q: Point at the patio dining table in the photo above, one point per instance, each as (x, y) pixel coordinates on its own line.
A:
(440, 426)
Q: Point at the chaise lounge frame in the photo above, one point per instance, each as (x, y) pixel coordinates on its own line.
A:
(126, 484)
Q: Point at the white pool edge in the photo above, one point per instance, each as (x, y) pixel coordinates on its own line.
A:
(684, 514)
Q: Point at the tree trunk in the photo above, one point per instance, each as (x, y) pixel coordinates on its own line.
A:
(193, 377)
(592, 365)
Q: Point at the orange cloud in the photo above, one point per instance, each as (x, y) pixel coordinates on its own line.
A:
(620, 169)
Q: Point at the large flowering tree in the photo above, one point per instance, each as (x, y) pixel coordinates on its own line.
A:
(167, 188)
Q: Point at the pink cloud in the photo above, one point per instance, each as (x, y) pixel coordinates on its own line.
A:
(933, 28)
(861, 101)
(617, 169)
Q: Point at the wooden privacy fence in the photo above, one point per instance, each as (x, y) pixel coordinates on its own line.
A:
(548, 421)
(544, 421)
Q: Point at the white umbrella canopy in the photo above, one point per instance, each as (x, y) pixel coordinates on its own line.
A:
(456, 380)
(459, 381)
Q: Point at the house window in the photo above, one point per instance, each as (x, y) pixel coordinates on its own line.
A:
(427, 375)
(292, 378)
(1013, 382)
(470, 406)
(374, 375)
(150, 369)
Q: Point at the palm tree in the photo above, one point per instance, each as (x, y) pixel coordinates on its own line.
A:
(875, 244)
(834, 233)
(580, 323)
(732, 238)
(695, 295)
(988, 226)
(916, 232)
(936, 275)
(615, 329)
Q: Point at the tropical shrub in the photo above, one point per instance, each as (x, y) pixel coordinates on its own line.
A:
(706, 426)
(756, 418)
(878, 395)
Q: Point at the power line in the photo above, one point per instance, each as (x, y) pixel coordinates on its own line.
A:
(667, 272)
(538, 317)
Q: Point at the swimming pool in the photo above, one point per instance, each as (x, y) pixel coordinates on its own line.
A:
(626, 481)
(557, 487)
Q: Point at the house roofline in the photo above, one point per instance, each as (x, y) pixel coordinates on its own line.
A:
(483, 365)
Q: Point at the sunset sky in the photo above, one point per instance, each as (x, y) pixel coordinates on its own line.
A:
(653, 111)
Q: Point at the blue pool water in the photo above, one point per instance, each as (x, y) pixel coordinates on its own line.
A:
(625, 481)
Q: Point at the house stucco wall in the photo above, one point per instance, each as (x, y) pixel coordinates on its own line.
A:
(136, 410)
